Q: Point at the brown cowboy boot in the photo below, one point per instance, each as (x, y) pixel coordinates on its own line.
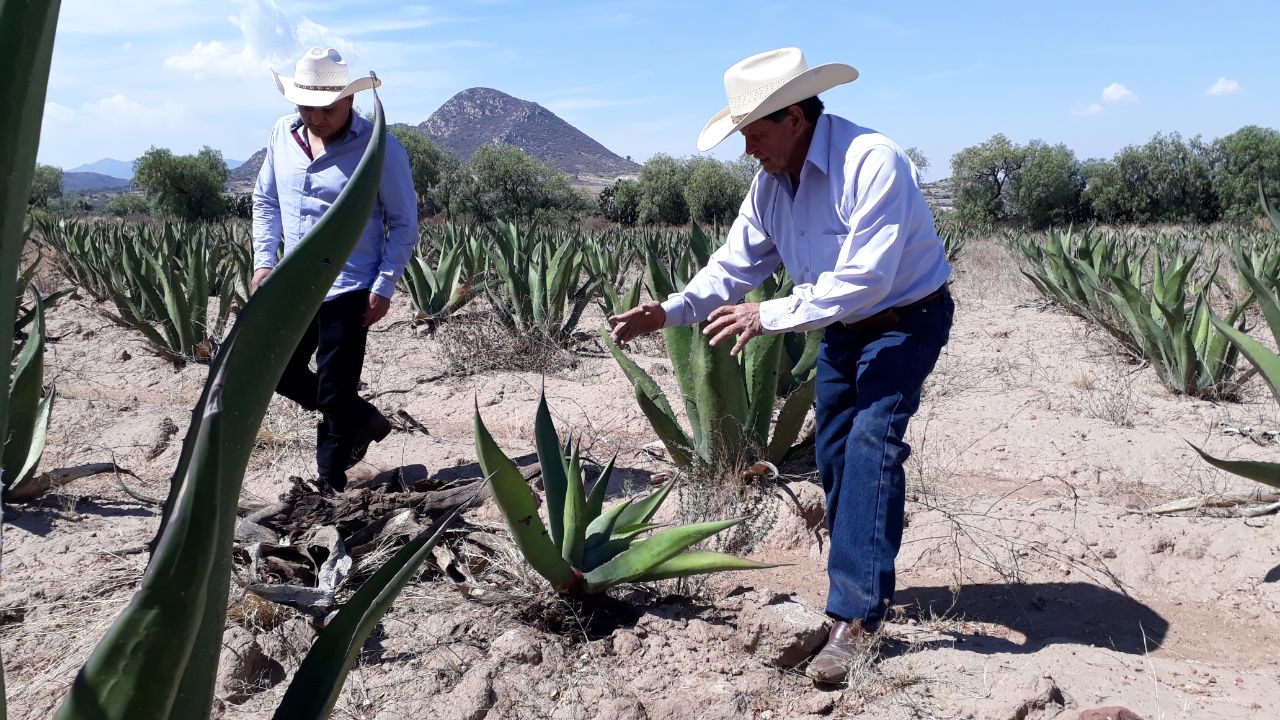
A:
(846, 642)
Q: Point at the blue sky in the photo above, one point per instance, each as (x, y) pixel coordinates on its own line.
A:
(642, 76)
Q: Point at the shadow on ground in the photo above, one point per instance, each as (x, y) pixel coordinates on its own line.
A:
(1045, 613)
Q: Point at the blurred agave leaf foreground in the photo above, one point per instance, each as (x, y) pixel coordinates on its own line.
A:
(583, 548)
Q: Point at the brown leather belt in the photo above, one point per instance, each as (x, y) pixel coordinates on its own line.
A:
(889, 317)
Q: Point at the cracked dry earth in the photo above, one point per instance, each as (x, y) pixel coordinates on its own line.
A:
(1029, 587)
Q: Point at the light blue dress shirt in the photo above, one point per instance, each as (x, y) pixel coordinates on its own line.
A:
(857, 237)
(293, 192)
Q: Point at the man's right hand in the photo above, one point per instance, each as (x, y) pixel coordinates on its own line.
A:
(637, 321)
(258, 276)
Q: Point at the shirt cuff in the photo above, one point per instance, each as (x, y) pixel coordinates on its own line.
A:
(776, 315)
(383, 287)
(676, 311)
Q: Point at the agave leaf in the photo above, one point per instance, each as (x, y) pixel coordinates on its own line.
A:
(653, 402)
(700, 562)
(762, 360)
(595, 502)
(515, 500)
(20, 488)
(23, 401)
(1267, 473)
(316, 685)
(791, 420)
(1266, 362)
(554, 473)
(721, 396)
(575, 513)
(642, 511)
(601, 528)
(647, 554)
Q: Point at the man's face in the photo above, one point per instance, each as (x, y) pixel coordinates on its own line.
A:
(776, 144)
(325, 122)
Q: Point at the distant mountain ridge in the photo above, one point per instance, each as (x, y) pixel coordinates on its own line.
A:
(483, 116)
(83, 182)
(122, 169)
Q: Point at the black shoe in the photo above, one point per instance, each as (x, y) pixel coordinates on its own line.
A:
(375, 431)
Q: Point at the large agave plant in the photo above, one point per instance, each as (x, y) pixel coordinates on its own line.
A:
(441, 287)
(584, 548)
(729, 401)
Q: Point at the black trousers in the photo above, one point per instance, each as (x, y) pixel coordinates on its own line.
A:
(337, 338)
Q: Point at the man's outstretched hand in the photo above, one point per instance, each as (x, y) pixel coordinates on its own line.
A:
(728, 320)
(258, 276)
(639, 320)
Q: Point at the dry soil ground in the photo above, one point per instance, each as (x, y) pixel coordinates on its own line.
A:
(1029, 587)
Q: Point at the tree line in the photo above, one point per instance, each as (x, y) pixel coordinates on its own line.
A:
(1169, 179)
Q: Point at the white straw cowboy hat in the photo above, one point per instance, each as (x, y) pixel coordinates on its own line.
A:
(320, 79)
(767, 82)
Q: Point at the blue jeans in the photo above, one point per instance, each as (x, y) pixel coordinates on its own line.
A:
(868, 387)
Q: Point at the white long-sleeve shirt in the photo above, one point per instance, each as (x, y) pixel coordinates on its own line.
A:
(857, 237)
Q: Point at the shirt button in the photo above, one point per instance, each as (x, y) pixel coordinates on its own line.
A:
(801, 233)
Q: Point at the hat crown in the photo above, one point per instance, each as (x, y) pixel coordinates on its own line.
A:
(751, 80)
(321, 68)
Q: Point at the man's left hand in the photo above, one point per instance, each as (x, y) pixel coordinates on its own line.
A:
(378, 307)
(728, 320)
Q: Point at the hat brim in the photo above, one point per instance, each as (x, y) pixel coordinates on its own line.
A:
(320, 98)
(805, 85)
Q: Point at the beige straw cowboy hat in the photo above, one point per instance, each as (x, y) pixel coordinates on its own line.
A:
(320, 79)
(767, 82)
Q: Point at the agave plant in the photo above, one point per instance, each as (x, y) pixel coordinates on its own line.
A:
(584, 548)
(1263, 359)
(729, 401)
(438, 292)
(541, 283)
(1179, 341)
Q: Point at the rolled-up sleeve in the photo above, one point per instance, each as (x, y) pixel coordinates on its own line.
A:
(746, 259)
(876, 198)
(267, 225)
(400, 205)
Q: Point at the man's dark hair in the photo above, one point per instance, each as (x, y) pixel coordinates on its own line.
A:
(811, 107)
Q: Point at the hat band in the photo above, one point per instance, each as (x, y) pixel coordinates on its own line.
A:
(326, 88)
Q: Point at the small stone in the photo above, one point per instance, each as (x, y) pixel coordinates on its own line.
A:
(243, 668)
(124, 356)
(781, 631)
(516, 646)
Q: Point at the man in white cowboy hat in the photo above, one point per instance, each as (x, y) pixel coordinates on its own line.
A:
(311, 156)
(840, 207)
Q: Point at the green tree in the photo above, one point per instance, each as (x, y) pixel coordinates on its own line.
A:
(712, 191)
(1166, 180)
(918, 159)
(46, 185)
(429, 163)
(127, 204)
(505, 182)
(1047, 189)
(620, 202)
(1237, 161)
(184, 186)
(662, 180)
(981, 175)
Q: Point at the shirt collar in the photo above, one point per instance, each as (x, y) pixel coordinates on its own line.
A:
(820, 144)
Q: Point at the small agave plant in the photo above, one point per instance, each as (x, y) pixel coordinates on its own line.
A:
(583, 548)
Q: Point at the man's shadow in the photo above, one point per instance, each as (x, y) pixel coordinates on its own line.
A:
(1045, 613)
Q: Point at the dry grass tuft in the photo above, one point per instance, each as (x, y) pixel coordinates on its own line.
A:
(478, 343)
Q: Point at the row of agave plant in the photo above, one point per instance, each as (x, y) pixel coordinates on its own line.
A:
(1156, 295)
(158, 278)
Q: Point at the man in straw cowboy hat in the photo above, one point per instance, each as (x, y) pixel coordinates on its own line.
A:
(839, 205)
(311, 156)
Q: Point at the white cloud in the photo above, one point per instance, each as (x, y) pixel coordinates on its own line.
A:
(269, 40)
(1224, 86)
(1115, 92)
(125, 112)
(1090, 109)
